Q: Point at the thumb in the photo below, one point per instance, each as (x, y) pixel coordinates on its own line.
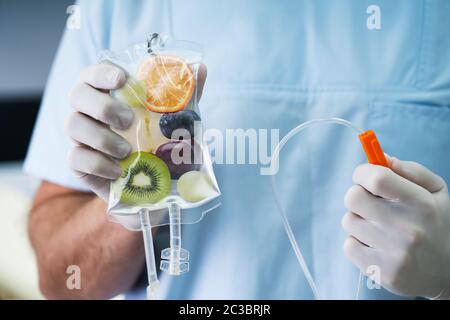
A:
(104, 76)
(202, 73)
(417, 174)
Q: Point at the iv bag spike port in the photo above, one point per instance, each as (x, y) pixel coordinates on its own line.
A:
(175, 259)
(372, 148)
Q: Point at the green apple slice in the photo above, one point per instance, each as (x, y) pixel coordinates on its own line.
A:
(194, 186)
(133, 93)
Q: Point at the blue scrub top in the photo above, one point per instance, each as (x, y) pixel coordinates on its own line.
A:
(274, 65)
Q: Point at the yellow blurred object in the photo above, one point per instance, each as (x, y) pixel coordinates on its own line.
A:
(18, 270)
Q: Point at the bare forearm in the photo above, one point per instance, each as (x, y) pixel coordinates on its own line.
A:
(74, 230)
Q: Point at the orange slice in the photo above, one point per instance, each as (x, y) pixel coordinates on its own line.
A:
(170, 83)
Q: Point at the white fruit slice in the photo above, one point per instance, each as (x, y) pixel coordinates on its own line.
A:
(194, 186)
(153, 126)
(144, 133)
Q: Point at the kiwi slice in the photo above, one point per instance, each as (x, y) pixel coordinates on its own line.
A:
(145, 179)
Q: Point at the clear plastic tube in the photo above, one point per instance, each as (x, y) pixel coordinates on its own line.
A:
(175, 258)
(358, 289)
(153, 282)
(287, 227)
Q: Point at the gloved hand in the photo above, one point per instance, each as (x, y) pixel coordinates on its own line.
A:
(399, 220)
(94, 157)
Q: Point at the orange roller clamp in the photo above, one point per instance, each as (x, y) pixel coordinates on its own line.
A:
(372, 148)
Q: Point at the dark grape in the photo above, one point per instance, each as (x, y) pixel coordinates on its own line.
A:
(172, 153)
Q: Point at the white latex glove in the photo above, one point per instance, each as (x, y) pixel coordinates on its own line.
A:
(399, 220)
(94, 157)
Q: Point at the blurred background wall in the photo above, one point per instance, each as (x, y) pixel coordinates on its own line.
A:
(29, 35)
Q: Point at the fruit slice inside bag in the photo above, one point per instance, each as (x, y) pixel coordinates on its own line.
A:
(170, 163)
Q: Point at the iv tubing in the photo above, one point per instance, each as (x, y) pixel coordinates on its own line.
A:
(175, 238)
(287, 227)
(153, 283)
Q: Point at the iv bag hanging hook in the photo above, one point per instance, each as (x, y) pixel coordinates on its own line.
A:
(155, 40)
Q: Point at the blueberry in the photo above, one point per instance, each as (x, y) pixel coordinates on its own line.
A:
(183, 119)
